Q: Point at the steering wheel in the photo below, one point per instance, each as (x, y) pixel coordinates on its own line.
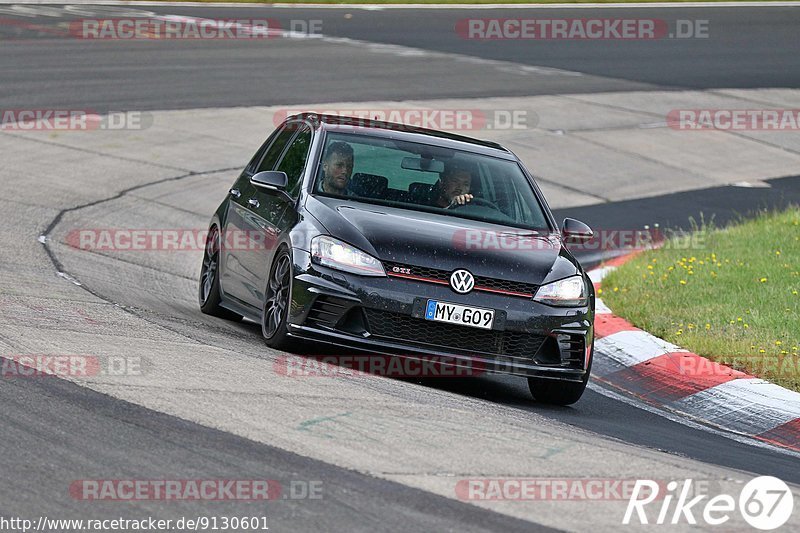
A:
(477, 201)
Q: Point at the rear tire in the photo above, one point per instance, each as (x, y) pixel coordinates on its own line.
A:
(209, 294)
(278, 294)
(558, 392)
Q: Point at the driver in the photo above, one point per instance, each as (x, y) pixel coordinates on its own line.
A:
(453, 187)
(337, 165)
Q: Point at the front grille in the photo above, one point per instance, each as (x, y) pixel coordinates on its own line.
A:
(421, 272)
(506, 285)
(519, 288)
(425, 333)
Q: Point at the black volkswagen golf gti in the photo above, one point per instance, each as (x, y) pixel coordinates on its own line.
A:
(403, 241)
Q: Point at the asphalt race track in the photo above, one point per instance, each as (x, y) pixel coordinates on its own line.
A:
(746, 48)
(206, 400)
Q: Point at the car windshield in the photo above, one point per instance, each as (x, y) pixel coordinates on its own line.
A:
(422, 177)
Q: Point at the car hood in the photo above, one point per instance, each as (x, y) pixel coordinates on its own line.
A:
(418, 238)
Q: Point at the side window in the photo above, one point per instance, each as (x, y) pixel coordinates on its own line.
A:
(251, 166)
(276, 148)
(294, 160)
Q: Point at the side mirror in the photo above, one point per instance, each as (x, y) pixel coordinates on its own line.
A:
(575, 231)
(270, 179)
(273, 181)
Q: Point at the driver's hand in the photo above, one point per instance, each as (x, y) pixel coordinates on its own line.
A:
(461, 199)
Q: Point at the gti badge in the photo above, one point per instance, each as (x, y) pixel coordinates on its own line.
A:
(462, 281)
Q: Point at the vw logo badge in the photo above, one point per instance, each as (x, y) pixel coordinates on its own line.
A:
(462, 281)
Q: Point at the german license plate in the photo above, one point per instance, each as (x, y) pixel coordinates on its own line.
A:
(462, 315)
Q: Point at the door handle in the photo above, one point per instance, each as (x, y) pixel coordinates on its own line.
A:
(253, 202)
(235, 193)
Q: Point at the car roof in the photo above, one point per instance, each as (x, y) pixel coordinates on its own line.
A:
(392, 130)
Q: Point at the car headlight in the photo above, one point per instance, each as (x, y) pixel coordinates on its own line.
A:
(333, 253)
(567, 292)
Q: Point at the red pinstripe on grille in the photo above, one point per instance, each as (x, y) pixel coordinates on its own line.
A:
(442, 282)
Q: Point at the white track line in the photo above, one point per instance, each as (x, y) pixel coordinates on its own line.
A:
(397, 50)
(630, 348)
(743, 405)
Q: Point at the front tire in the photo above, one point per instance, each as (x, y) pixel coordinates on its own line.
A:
(277, 296)
(557, 392)
(209, 294)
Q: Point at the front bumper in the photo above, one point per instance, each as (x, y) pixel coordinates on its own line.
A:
(383, 315)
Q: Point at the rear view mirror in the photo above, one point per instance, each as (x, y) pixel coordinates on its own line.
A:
(422, 165)
(575, 231)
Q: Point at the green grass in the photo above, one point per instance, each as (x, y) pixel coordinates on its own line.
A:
(734, 298)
